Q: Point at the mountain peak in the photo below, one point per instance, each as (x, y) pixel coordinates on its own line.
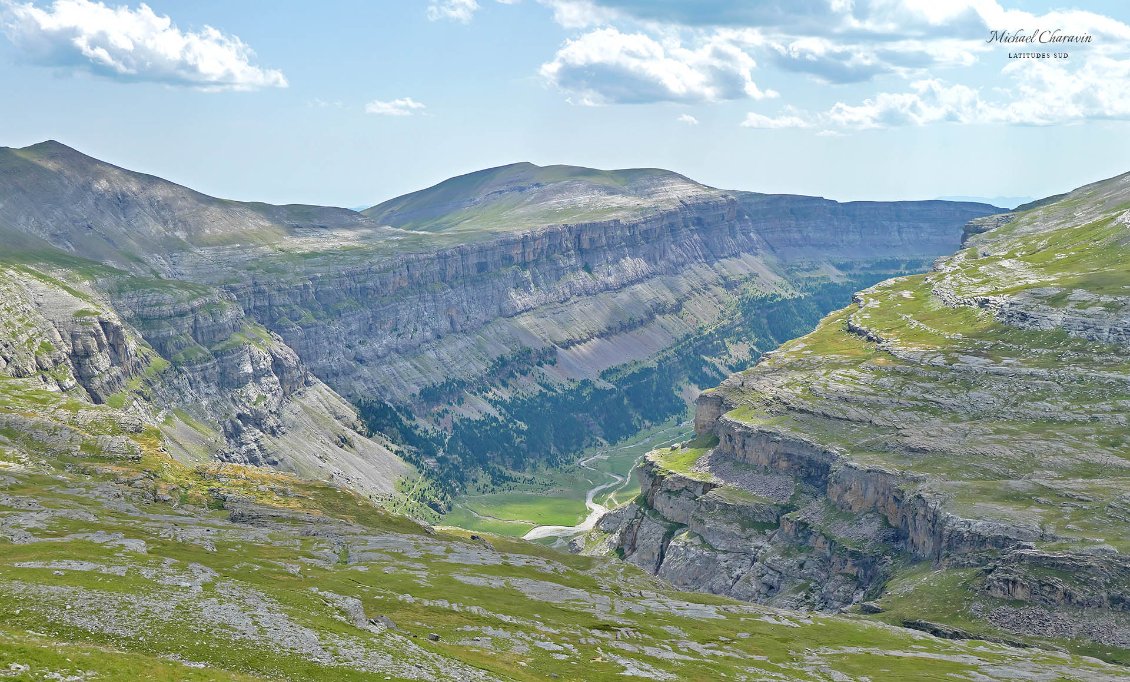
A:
(50, 148)
(525, 195)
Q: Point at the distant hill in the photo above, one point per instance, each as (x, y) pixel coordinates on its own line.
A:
(1003, 202)
(54, 194)
(523, 195)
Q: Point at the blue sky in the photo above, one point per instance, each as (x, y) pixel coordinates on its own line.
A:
(350, 103)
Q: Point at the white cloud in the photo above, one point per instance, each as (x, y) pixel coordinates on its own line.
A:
(606, 66)
(753, 120)
(133, 45)
(851, 20)
(462, 11)
(1049, 94)
(579, 13)
(319, 103)
(405, 106)
(688, 119)
(1044, 94)
(455, 10)
(929, 101)
(846, 41)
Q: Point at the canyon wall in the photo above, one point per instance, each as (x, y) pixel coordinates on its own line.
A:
(951, 445)
(597, 294)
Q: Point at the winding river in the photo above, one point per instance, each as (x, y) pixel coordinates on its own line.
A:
(596, 510)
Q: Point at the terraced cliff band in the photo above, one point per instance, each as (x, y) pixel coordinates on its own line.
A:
(952, 448)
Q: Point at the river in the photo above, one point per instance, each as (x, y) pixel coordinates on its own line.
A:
(595, 509)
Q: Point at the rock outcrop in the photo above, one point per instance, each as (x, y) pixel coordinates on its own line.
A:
(951, 448)
(184, 360)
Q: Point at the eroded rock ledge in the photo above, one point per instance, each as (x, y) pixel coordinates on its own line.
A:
(773, 518)
(827, 545)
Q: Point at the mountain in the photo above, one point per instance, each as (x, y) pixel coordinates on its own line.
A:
(454, 333)
(952, 448)
(92, 312)
(206, 408)
(524, 196)
(77, 203)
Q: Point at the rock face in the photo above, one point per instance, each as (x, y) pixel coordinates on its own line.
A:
(952, 447)
(716, 535)
(586, 291)
(60, 339)
(183, 361)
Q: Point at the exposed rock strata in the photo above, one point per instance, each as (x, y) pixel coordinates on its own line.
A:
(254, 305)
(233, 391)
(971, 420)
(567, 285)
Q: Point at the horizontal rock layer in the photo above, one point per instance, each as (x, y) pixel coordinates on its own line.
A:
(971, 420)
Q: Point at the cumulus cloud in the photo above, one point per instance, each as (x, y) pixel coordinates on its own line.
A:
(705, 51)
(841, 41)
(606, 66)
(455, 10)
(928, 101)
(871, 19)
(132, 45)
(405, 106)
(700, 13)
(1043, 94)
(755, 120)
(688, 119)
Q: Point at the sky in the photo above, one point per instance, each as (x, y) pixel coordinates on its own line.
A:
(352, 102)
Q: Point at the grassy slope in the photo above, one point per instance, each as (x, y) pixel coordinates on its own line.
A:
(100, 579)
(524, 196)
(1042, 425)
(557, 497)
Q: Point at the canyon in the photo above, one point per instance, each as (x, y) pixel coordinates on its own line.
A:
(462, 320)
(240, 417)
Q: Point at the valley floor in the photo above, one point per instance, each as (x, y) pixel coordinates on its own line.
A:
(557, 497)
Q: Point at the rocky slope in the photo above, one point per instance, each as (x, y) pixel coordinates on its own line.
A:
(179, 359)
(953, 447)
(121, 563)
(126, 556)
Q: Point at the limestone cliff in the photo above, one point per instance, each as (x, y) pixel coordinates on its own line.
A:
(471, 304)
(953, 447)
(213, 383)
